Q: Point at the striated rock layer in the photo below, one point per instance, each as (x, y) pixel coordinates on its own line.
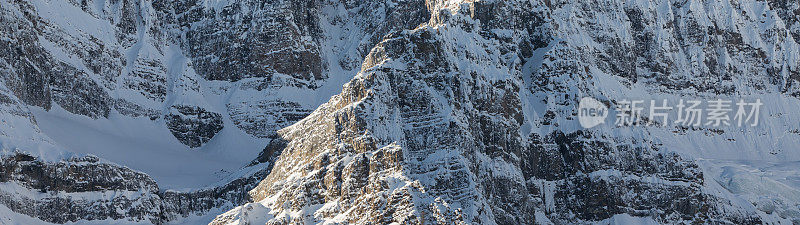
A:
(470, 119)
(212, 74)
(86, 189)
(460, 112)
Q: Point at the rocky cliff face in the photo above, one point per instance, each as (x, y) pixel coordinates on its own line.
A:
(87, 189)
(470, 118)
(203, 71)
(459, 111)
(78, 189)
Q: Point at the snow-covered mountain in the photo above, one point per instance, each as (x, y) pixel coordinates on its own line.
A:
(187, 92)
(399, 111)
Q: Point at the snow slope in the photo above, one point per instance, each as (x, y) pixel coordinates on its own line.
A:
(147, 146)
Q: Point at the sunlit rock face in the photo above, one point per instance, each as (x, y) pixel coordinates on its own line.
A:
(144, 59)
(470, 118)
(401, 111)
(204, 72)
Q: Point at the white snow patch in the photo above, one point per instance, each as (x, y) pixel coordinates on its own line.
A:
(148, 146)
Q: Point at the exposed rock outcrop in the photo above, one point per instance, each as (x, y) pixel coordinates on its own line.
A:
(470, 118)
(460, 112)
(193, 126)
